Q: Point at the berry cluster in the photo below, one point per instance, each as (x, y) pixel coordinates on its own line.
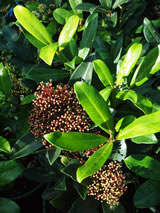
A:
(108, 184)
(56, 109)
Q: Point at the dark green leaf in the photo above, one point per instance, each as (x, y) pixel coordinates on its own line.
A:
(28, 99)
(5, 82)
(106, 3)
(52, 155)
(71, 168)
(83, 72)
(119, 151)
(25, 145)
(8, 206)
(9, 171)
(89, 205)
(116, 49)
(45, 74)
(4, 145)
(75, 141)
(123, 122)
(81, 189)
(94, 105)
(144, 166)
(88, 35)
(148, 194)
(150, 32)
(138, 100)
(95, 162)
(118, 3)
(86, 7)
(115, 209)
(145, 125)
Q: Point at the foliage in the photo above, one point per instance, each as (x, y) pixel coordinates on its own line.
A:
(90, 130)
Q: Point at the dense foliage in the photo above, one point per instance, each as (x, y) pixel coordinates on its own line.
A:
(79, 106)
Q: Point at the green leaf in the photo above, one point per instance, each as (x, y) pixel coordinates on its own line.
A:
(82, 72)
(150, 32)
(45, 74)
(116, 49)
(52, 155)
(144, 125)
(148, 139)
(5, 82)
(68, 31)
(24, 146)
(106, 3)
(75, 141)
(9, 171)
(32, 24)
(148, 66)
(28, 99)
(4, 145)
(88, 35)
(119, 151)
(105, 93)
(118, 3)
(89, 205)
(95, 162)
(138, 100)
(147, 195)
(61, 15)
(86, 7)
(115, 209)
(71, 168)
(94, 105)
(74, 4)
(123, 122)
(81, 189)
(129, 62)
(103, 72)
(144, 166)
(8, 206)
(47, 53)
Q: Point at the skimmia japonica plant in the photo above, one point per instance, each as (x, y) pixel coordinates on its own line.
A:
(80, 106)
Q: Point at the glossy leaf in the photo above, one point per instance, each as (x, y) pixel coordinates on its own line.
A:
(61, 15)
(103, 73)
(138, 100)
(83, 72)
(144, 125)
(4, 145)
(45, 74)
(5, 82)
(116, 49)
(119, 151)
(47, 53)
(118, 3)
(52, 155)
(28, 99)
(95, 162)
(24, 146)
(32, 24)
(86, 7)
(9, 171)
(147, 195)
(150, 32)
(105, 93)
(88, 35)
(8, 206)
(123, 122)
(148, 139)
(71, 168)
(129, 62)
(94, 105)
(75, 141)
(148, 66)
(74, 4)
(68, 31)
(144, 166)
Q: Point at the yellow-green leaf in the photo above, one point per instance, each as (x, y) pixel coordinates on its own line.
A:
(47, 53)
